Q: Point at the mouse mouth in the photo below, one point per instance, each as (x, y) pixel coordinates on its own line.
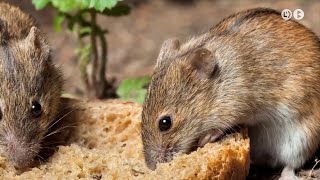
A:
(210, 137)
(215, 135)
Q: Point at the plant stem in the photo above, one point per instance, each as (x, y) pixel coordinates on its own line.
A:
(83, 67)
(102, 64)
(108, 87)
(94, 53)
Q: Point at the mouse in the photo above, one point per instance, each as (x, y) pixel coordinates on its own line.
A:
(30, 88)
(252, 69)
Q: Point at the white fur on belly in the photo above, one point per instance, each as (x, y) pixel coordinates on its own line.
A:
(278, 138)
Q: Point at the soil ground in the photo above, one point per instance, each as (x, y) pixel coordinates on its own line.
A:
(134, 40)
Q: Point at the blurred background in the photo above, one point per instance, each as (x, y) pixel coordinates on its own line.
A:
(134, 40)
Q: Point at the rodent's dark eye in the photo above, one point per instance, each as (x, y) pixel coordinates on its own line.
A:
(165, 123)
(36, 109)
(1, 114)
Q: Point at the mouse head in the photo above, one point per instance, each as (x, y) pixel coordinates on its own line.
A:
(29, 96)
(179, 103)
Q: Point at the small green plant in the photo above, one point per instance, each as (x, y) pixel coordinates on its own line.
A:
(81, 18)
(134, 89)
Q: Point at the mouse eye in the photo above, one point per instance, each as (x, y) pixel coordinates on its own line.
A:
(1, 114)
(36, 109)
(165, 123)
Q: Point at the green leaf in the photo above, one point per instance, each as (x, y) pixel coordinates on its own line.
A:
(73, 5)
(40, 4)
(110, 4)
(85, 3)
(133, 89)
(57, 21)
(118, 10)
(66, 5)
(101, 5)
(85, 31)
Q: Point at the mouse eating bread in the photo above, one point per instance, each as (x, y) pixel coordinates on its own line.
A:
(107, 145)
(253, 69)
(30, 88)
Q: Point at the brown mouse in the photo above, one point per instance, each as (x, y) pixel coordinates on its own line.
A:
(30, 87)
(253, 68)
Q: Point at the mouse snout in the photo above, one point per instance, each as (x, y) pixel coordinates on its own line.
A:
(160, 155)
(164, 154)
(20, 153)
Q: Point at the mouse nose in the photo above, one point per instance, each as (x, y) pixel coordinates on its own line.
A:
(18, 152)
(165, 154)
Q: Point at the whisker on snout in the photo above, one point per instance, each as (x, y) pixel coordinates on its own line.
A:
(62, 117)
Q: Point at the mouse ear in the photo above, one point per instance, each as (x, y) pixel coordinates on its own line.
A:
(36, 41)
(204, 62)
(169, 47)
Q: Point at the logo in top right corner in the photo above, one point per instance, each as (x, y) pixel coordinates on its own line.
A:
(298, 14)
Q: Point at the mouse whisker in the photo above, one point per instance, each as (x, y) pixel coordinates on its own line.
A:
(62, 117)
(40, 157)
(37, 155)
(73, 125)
(74, 105)
(52, 133)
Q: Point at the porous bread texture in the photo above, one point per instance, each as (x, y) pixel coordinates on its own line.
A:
(108, 145)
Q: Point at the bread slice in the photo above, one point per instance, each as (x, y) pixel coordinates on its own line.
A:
(107, 145)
